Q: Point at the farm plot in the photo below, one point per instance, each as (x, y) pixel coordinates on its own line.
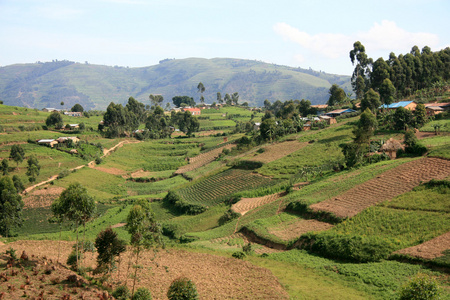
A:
(43, 197)
(293, 230)
(216, 277)
(386, 186)
(247, 204)
(202, 159)
(211, 190)
(277, 151)
(429, 250)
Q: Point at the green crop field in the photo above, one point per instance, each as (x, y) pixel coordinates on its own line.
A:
(352, 258)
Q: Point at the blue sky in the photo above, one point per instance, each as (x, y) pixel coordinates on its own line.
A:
(309, 34)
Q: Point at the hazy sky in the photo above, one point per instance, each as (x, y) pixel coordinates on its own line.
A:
(136, 33)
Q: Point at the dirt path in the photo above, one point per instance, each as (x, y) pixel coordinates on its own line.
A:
(430, 249)
(388, 185)
(90, 164)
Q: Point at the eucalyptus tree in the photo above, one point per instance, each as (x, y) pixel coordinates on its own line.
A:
(11, 206)
(76, 205)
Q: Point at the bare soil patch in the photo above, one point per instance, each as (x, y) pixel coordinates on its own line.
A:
(113, 171)
(246, 204)
(296, 229)
(43, 197)
(430, 249)
(277, 151)
(209, 132)
(202, 159)
(142, 174)
(216, 277)
(386, 186)
(422, 135)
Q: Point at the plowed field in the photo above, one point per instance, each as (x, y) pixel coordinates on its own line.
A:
(391, 183)
(247, 204)
(216, 277)
(42, 198)
(430, 249)
(298, 228)
(202, 159)
(277, 151)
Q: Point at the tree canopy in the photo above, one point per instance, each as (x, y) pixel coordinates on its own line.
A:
(77, 108)
(11, 205)
(179, 100)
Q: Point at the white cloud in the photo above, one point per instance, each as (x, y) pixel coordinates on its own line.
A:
(388, 36)
(384, 37)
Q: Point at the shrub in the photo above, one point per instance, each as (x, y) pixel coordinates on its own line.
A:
(239, 255)
(421, 287)
(182, 289)
(142, 294)
(121, 292)
(228, 216)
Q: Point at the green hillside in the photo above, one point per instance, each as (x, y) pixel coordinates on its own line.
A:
(48, 84)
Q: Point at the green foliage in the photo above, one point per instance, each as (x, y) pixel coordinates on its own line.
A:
(370, 101)
(142, 294)
(77, 108)
(337, 96)
(239, 255)
(173, 199)
(121, 293)
(355, 248)
(108, 246)
(182, 289)
(54, 119)
(11, 206)
(186, 100)
(17, 153)
(422, 287)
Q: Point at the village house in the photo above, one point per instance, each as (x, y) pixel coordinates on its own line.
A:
(50, 109)
(328, 119)
(411, 105)
(49, 142)
(193, 111)
(436, 108)
(73, 113)
(74, 126)
(339, 112)
(65, 138)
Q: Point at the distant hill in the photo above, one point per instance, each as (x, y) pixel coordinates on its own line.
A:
(48, 84)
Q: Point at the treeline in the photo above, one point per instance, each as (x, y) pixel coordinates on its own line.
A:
(120, 120)
(401, 75)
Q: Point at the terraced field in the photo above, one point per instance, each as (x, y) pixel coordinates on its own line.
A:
(247, 204)
(202, 159)
(296, 229)
(430, 249)
(277, 151)
(211, 190)
(386, 186)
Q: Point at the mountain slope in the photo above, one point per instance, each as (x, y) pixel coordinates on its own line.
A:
(95, 86)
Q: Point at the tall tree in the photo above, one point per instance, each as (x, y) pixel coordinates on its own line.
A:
(219, 98)
(156, 99)
(5, 166)
(77, 108)
(362, 64)
(76, 205)
(235, 98)
(387, 92)
(179, 100)
(33, 168)
(54, 119)
(371, 101)
(380, 72)
(145, 232)
(201, 89)
(137, 108)
(337, 95)
(11, 205)
(420, 115)
(108, 246)
(17, 154)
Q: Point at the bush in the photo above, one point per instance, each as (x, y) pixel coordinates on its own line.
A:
(177, 202)
(142, 294)
(121, 293)
(239, 255)
(421, 287)
(182, 289)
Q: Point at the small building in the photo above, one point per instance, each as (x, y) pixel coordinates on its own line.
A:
(339, 112)
(65, 138)
(411, 105)
(391, 146)
(328, 119)
(51, 109)
(49, 142)
(74, 126)
(436, 108)
(73, 113)
(193, 111)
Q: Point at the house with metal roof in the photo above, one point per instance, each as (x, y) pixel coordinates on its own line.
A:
(339, 112)
(411, 105)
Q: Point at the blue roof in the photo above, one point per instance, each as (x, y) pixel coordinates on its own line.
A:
(397, 104)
